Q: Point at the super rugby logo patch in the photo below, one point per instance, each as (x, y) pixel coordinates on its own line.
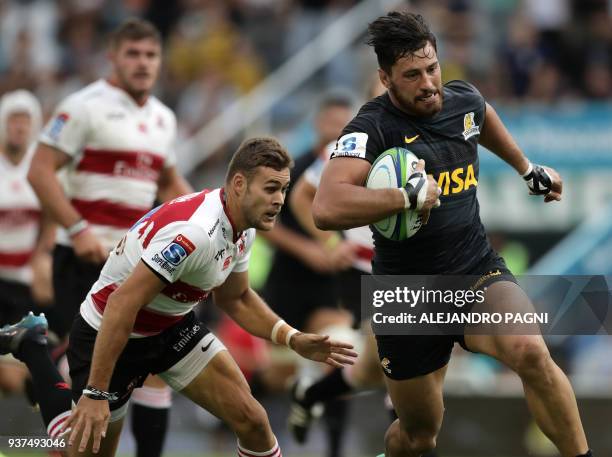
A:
(178, 250)
(57, 125)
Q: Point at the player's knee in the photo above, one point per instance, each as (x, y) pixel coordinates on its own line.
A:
(400, 442)
(250, 419)
(530, 358)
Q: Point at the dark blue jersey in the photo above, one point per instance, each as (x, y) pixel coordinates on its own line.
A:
(454, 240)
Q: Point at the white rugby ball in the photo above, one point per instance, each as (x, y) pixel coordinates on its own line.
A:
(392, 169)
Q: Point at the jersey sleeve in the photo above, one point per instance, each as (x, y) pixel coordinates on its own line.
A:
(69, 127)
(177, 249)
(242, 263)
(313, 173)
(360, 139)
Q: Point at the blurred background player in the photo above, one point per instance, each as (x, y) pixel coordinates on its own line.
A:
(115, 143)
(25, 259)
(453, 241)
(301, 285)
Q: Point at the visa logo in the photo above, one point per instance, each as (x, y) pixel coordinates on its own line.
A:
(458, 180)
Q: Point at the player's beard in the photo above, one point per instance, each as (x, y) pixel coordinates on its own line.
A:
(411, 107)
(124, 81)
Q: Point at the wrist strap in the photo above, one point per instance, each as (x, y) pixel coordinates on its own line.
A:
(275, 330)
(290, 333)
(97, 394)
(529, 170)
(77, 228)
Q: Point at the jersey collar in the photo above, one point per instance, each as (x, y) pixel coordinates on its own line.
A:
(235, 234)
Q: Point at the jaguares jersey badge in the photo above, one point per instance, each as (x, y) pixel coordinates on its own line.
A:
(470, 128)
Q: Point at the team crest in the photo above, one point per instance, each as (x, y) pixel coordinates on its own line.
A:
(385, 364)
(470, 128)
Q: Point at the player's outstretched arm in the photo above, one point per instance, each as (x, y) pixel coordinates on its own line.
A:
(91, 415)
(540, 180)
(249, 311)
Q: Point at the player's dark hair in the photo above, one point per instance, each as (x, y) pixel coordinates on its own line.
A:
(134, 29)
(258, 152)
(398, 34)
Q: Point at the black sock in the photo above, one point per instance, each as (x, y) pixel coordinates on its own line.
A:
(149, 426)
(335, 416)
(588, 454)
(331, 386)
(50, 390)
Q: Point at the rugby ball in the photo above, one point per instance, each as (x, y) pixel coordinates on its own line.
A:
(391, 170)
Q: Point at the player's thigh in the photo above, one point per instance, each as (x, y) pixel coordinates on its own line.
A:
(108, 445)
(12, 375)
(419, 402)
(509, 344)
(221, 389)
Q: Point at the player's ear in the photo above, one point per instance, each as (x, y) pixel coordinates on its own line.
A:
(239, 183)
(384, 78)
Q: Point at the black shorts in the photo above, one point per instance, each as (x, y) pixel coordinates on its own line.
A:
(408, 356)
(296, 294)
(72, 280)
(15, 301)
(140, 357)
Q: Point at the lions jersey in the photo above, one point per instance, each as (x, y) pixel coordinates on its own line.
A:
(454, 240)
(19, 220)
(190, 243)
(118, 150)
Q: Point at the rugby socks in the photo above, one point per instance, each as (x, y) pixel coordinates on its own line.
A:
(327, 388)
(150, 413)
(50, 390)
(588, 454)
(274, 452)
(335, 417)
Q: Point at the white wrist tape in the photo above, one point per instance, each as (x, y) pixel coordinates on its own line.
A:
(77, 228)
(290, 333)
(275, 330)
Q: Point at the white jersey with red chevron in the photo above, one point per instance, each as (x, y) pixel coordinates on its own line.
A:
(190, 243)
(118, 150)
(19, 220)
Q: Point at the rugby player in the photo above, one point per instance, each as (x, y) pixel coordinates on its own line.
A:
(114, 142)
(442, 125)
(25, 261)
(138, 317)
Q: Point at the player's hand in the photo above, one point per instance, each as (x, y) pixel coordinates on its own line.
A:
(322, 349)
(422, 190)
(91, 418)
(556, 187)
(42, 282)
(87, 247)
(544, 181)
(317, 258)
(343, 255)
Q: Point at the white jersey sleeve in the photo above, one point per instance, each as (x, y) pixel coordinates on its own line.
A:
(313, 173)
(245, 244)
(69, 128)
(178, 249)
